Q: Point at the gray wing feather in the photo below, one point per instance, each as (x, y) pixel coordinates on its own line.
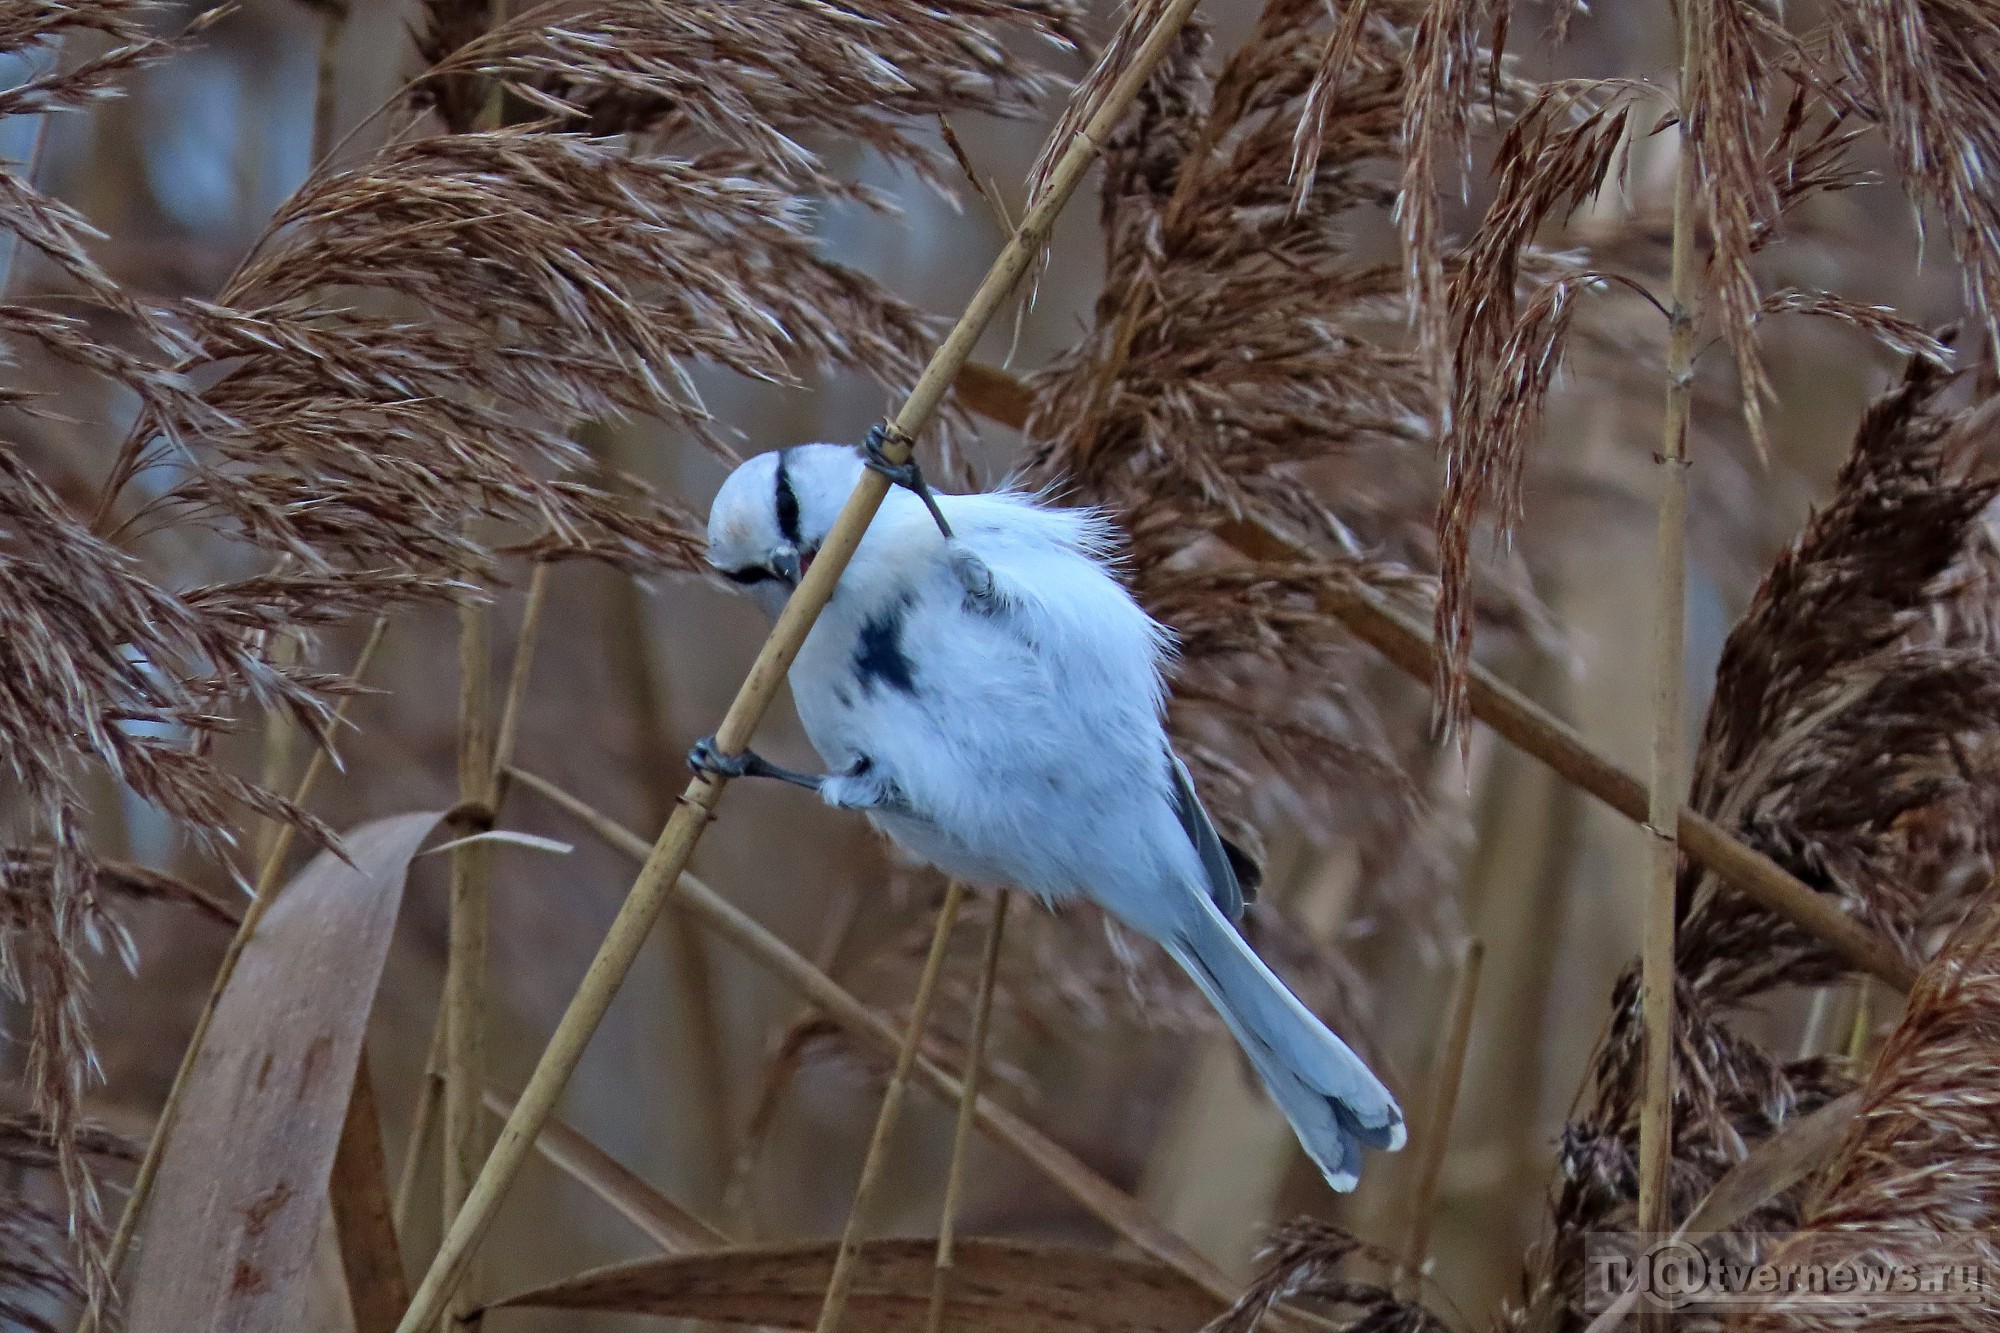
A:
(1222, 885)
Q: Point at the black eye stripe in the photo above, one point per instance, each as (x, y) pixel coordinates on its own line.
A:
(788, 503)
(755, 574)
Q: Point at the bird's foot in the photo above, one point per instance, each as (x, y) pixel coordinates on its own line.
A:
(905, 474)
(706, 757)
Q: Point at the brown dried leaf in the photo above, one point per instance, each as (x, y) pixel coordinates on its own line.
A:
(243, 1182)
(995, 1285)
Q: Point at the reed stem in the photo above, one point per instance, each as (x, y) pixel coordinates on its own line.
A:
(423, 1123)
(484, 805)
(968, 1108)
(517, 683)
(1669, 759)
(841, 1280)
(464, 1000)
(1445, 1084)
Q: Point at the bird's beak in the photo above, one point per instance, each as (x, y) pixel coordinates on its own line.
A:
(789, 567)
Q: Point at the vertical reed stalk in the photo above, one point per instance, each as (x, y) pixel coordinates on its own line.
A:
(464, 1001)
(1863, 1025)
(432, 1095)
(465, 963)
(266, 892)
(509, 732)
(1445, 1084)
(280, 751)
(326, 97)
(841, 1281)
(660, 875)
(423, 1123)
(968, 1108)
(1669, 777)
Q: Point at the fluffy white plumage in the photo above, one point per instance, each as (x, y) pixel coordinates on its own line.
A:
(994, 704)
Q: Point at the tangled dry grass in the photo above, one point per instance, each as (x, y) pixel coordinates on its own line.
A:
(1928, 1101)
(1834, 742)
(1347, 251)
(1240, 345)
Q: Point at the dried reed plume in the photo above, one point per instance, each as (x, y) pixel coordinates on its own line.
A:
(1302, 1263)
(562, 278)
(1441, 104)
(745, 91)
(763, 79)
(109, 672)
(38, 1273)
(1921, 69)
(1851, 738)
(381, 400)
(1505, 312)
(1722, 112)
(1243, 363)
(1918, 1179)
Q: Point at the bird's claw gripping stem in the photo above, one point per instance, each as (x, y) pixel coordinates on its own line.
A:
(905, 474)
(706, 757)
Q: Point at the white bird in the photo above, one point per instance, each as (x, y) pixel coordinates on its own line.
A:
(993, 702)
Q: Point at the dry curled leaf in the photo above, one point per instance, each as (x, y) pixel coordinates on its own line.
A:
(245, 1173)
(995, 1285)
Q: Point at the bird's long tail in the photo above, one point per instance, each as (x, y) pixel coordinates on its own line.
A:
(1335, 1103)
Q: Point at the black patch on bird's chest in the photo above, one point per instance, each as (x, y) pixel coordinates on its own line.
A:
(878, 652)
(788, 503)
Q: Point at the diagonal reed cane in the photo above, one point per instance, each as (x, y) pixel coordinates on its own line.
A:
(676, 842)
(842, 1279)
(968, 1112)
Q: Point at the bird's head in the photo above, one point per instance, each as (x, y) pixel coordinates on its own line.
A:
(771, 515)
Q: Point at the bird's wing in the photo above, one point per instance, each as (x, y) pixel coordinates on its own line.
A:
(1223, 886)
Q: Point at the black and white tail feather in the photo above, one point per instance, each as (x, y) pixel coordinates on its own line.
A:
(993, 701)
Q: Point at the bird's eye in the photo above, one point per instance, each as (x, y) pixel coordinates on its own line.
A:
(749, 577)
